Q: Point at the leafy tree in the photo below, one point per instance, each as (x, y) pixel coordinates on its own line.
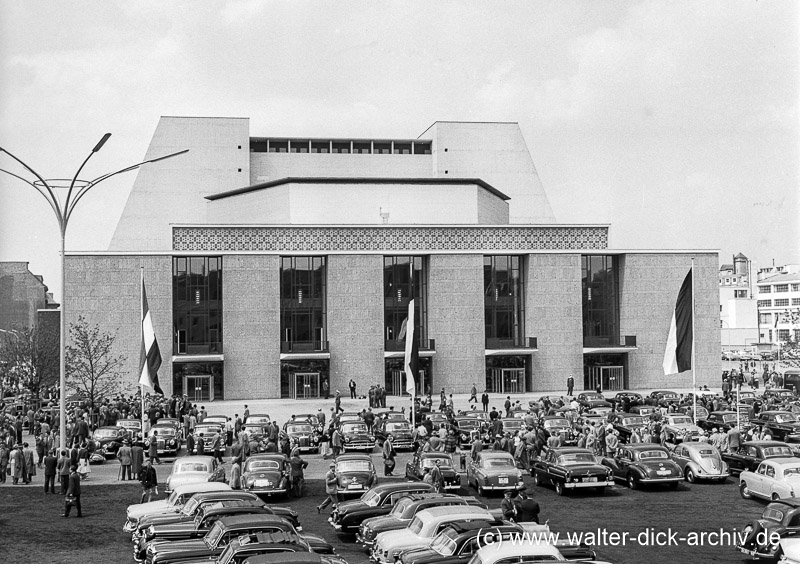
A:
(93, 370)
(29, 360)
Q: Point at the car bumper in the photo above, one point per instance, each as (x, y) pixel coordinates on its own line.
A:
(128, 527)
(755, 554)
(452, 487)
(351, 491)
(662, 480)
(367, 544)
(266, 491)
(509, 487)
(597, 484)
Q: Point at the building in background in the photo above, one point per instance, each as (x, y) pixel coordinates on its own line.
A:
(737, 310)
(24, 297)
(283, 267)
(779, 304)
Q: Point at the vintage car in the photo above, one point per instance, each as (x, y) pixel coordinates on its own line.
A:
(700, 461)
(625, 423)
(224, 531)
(208, 432)
(173, 504)
(303, 434)
(679, 428)
(390, 414)
(721, 420)
(259, 420)
(775, 478)
(780, 520)
(538, 549)
(168, 441)
(590, 400)
(266, 474)
(356, 436)
(309, 418)
(751, 453)
(425, 525)
(781, 394)
(494, 470)
(398, 429)
(132, 426)
(188, 469)
(354, 474)
(780, 424)
(697, 413)
(107, 440)
(415, 468)
(632, 398)
(347, 416)
(648, 411)
(644, 463)
(196, 528)
(221, 420)
(404, 511)
(512, 425)
(468, 428)
(590, 419)
(458, 542)
(662, 398)
(348, 515)
(557, 425)
(571, 468)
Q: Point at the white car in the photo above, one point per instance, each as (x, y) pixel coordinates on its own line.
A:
(775, 478)
(172, 504)
(532, 549)
(425, 525)
(190, 469)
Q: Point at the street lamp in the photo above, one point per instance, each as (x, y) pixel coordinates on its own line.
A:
(63, 210)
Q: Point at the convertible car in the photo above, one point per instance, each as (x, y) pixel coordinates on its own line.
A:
(644, 463)
(571, 468)
(494, 470)
(266, 474)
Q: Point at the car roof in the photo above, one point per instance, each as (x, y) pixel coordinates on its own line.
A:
(782, 461)
(233, 505)
(570, 450)
(775, 411)
(643, 446)
(764, 443)
(233, 521)
(462, 527)
(723, 412)
(194, 458)
(433, 513)
(285, 558)
(494, 454)
(224, 494)
(354, 456)
(267, 456)
(432, 454)
(202, 487)
(401, 486)
(493, 552)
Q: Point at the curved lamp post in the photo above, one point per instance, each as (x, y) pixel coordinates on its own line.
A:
(76, 190)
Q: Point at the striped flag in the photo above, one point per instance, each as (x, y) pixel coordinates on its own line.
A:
(411, 364)
(678, 353)
(150, 360)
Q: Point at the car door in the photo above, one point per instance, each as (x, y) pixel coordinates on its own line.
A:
(623, 459)
(681, 456)
(758, 483)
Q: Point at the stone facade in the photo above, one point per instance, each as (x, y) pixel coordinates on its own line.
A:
(22, 293)
(455, 321)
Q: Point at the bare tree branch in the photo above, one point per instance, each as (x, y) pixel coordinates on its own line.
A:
(93, 370)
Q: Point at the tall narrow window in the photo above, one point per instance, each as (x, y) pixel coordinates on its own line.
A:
(504, 301)
(197, 305)
(397, 293)
(600, 301)
(303, 304)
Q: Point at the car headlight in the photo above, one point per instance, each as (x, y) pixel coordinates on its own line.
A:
(150, 532)
(371, 438)
(347, 439)
(316, 439)
(463, 437)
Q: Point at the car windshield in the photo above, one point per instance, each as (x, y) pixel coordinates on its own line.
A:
(262, 465)
(299, 429)
(468, 424)
(415, 526)
(549, 423)
(729, 417)
(791, 472)
(510, 424)
(256, 419)
(772, 514)
(105, 433)
(785, 418)
(592, 397)
(400, 506)
(131, 424)
(371, 498)
(213, 535)
(190, 506)
(431, 462)
(576, 458)
(173, 498)
(444, 543)
(777, 451)
(498, 463)
(354, 428)
(206, 429)
(652, 454)
(190, 467)
(398, 427)
(633, 421)
(681, 420)
(165, 430)
(354, 466)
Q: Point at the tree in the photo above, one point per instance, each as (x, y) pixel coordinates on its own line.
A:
(93, 370)
(29, 361)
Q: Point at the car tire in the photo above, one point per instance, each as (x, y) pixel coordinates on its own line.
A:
(560, 489)
(744, 491)
(632, 483)
(690, 477)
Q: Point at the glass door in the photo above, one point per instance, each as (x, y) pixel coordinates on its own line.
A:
(513, 380)
(305, 385)
(199, 388)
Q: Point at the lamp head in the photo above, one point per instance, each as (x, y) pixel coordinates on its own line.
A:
(101, 143)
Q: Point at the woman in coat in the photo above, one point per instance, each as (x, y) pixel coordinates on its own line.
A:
(3, 461)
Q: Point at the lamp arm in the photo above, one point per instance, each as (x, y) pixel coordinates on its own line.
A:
(52, 200)
(35, 187)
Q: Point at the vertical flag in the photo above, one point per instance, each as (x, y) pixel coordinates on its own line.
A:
(411, 364)
(150, 356)
(678, 353)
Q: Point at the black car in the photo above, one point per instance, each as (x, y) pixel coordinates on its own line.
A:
(348, 515)
(559, 425)
(355, 473)
(398, 429)
(662, 398)
(752, 453)
(168, 442)
(415, 468)
(303, 434)
(591, 400)
(356, 436)
(264, 546)
(720, 420)
(625, 423)
(780, 424)
(466, 426)
(571, 468)
(780, 519)
(107, 440)
(404, 511)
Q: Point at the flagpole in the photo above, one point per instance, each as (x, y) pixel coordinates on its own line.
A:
(694, 363)
(141, 319)
(414, 335)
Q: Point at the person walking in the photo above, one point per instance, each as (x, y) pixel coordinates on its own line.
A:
(297, 465)
(149, 481)
(63, 471)
(137, 458)
(73, 497)
(336, 442)
(30, 465)
(124, 457)
(508, 507)
(216, 446)
(235, 479)
(331, 480)
(389, 454)
(17, 465)
(352, 386)
(570, 384)
(473, 394)
(337, 402)
(49, 463)
(152, 448)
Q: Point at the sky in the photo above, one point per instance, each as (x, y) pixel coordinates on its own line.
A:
(675, 122)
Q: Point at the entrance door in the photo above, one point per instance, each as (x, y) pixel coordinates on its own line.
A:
(199, 388)
(305, 385)
(513, 381)
(398, 383)
(605, 377)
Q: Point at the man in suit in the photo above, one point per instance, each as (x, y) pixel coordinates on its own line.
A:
(73, 496)
(62, 467)
(50, 462)
(527, 509)
(125, 457)
(137, 458)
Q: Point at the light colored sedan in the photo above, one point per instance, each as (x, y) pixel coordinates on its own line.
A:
(189, 469)
(700, 461)
(775, 478)
(494, 470)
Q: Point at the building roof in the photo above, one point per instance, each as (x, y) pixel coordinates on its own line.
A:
(740, 256)
(779, 278)
(726, 267)
(358, 180)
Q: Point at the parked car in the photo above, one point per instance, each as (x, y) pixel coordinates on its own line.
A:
(679, 428)
(398, 429)
(589, 400)
(538, 549)
(348, 515)
(700, 461)
(132, 426)
(751, 453)
(274, 548)
(647, 411)
(255, 420)
(643, 463)
(780, 424)
(775, 478)
(467, 428)
(415, 468)
(356, 436)
(632, 397)
(168, 441)
(173, 504)
(220, 420)
(354, 474)
(780, 519)
(404, 511)
(266, 474)
(493, 470)
(662, 398)
(568, 469)
(208, 432)
(556, 425)
(721, 420)
(189, 469)
(303, 434)
(107, 440)
(625, 423)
